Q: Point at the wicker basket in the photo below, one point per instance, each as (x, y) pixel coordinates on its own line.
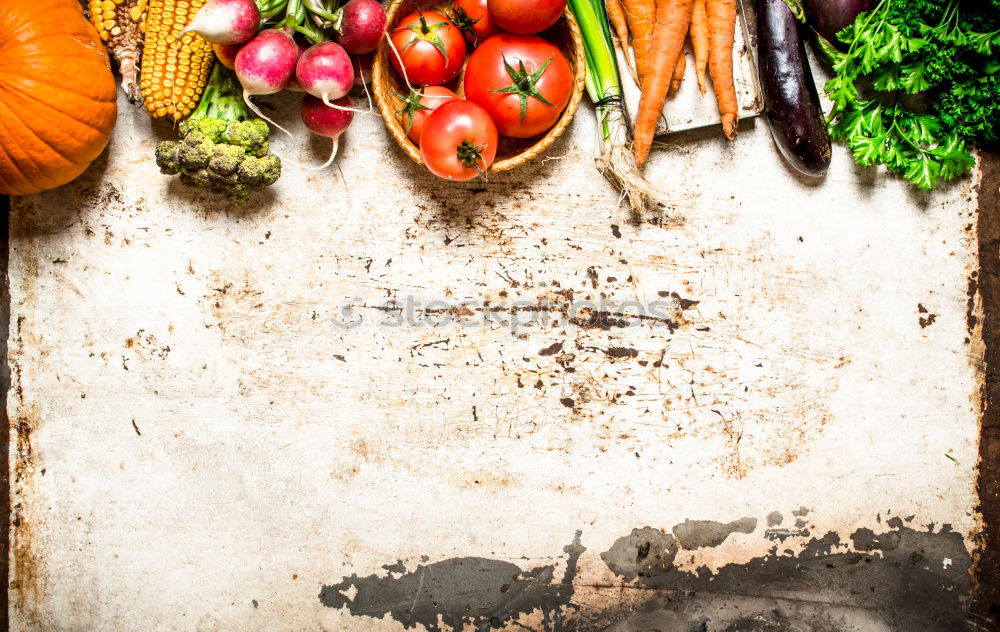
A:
(512, 152)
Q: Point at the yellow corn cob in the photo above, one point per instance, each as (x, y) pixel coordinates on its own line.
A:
(119, 22)
(173, 72)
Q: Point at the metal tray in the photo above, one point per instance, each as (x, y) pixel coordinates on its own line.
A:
(689, 109)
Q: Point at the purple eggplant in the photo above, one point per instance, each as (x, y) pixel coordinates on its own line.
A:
(829, 17)
(791, 102)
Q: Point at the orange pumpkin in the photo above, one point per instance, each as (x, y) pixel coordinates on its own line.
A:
(57, 94)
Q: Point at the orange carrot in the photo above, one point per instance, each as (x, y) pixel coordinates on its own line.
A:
(672, 20)
(675, 81)
(641, 16)
(616, 16)
(699, 42)
(721, 30)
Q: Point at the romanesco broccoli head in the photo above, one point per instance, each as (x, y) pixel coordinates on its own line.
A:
(227, 159)
(260, 172)
(251, 135)
(212, 128)
(166, 158)
(201, 178)
(195, 150)
(237, 193)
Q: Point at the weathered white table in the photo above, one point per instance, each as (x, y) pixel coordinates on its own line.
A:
(376, 401)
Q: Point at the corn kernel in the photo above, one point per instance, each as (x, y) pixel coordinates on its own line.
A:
(173, 74)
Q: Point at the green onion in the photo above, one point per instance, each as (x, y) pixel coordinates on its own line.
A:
(613, 147)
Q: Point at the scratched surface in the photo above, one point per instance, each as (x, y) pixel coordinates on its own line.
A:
(375, 401)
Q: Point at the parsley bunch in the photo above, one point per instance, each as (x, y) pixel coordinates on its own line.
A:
(918, 86)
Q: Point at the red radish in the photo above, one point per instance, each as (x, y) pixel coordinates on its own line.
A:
(362, 68)
(265, 63)
(226, 54)
(292, 84)
(327, 121)
(362, 24)
(325, 71)
(226, 21)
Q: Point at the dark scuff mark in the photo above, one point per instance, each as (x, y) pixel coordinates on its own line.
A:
(684, 303)
(903, 575)
(927, 319)
(774, 519)
(552, 349)
(599, 320)
(621, 353)
(970, 305)
(461, 591)
(136, 428)
(694, 534)
(644, 553)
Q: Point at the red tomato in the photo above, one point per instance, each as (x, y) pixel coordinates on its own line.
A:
(418, 107)
(523, 82)
(474, 19)
(459, 141)
(526, 17)
(432, 48)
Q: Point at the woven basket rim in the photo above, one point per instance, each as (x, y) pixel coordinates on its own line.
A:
(386, 101)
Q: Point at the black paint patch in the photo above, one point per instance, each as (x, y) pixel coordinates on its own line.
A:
(461, 591)
(916, 580)
(694, 534)
(644, 553)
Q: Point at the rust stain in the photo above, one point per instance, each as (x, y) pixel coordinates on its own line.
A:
(25, 570)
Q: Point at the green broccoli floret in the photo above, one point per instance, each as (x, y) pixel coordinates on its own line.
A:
(212, 128)
(260, 172)
(227, 159)
(251, 135)
(166, 158)
(195, 150)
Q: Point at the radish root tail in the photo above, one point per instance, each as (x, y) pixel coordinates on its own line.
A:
(334, 106)
(399, 58)
(256, 110)
(329, 161)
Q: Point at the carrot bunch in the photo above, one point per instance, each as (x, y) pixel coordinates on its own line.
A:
(657, 29)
